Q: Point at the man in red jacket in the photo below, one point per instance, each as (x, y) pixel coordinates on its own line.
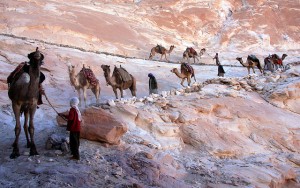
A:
(74, 120)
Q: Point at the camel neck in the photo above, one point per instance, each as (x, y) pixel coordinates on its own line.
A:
(178, 74)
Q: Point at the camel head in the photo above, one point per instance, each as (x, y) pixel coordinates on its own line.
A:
(106, 69)
(36, 58)
(174, 70)
(239, 59)
(172, 47)
(203, 50)
(71, 69)
(284, 56)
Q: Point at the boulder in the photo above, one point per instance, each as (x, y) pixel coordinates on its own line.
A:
(99, 125)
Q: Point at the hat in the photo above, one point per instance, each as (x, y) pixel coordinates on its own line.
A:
(74, 101)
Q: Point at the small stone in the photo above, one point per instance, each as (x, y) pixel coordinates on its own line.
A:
(111, 103)
(26, 153)
(51, 160)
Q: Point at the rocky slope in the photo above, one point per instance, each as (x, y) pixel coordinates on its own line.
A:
(237, 131)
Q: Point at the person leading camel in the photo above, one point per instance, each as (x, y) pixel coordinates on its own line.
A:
(152, 84)
(221, 71)
(74, 120)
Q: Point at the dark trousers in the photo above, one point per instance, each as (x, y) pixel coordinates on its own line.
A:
(74, 143)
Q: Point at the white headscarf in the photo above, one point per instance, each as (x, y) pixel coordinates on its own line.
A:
(74, 103)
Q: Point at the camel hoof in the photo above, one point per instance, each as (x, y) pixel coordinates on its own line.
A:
(28, 144)
(14, 155)
(32, 153)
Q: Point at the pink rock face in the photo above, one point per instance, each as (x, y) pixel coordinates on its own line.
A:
(99, 125)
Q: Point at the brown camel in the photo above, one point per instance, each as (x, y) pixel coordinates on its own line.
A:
(24, 92)
(191, 53)
(251, 62)
(277, 61)
(161, 50)
(120, 79)
(186, 72)
(80, 82)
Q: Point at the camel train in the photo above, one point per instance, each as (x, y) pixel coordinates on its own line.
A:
(24, 84)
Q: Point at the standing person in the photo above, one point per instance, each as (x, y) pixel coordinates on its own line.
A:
(221, 71)
(152, 84)
(74, 120)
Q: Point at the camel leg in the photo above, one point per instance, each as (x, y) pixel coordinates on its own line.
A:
(161, 57)
(32, 110)
(248, 68)
(166, 58)
(189, 81)
(79, 96)
(197, 59)
(253, 69)
(182, 80)
(26, 128)
(115, 91)
(96, 91)
(121, 91)
(84, 96)
(16, 153)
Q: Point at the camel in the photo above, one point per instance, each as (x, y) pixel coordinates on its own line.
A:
(24, 92)
(251, 62)
(191, 53)
(161, 50)
(117, 81)
(277, 61)
(80, 82)
(186, 72)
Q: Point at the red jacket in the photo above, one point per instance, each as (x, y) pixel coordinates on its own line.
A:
(73, 121)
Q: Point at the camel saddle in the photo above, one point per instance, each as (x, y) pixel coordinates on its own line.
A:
(90, 76)
(188, 68)
(122, 74)
(15, 75)
(253, 58)
(192, 51)
(159, 48)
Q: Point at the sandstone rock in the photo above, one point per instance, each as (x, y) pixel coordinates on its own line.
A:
(111, 103)
(99, 125)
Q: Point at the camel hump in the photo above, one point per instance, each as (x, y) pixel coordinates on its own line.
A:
(192, 50)
(188, 68)
(122, 75)
(159, 48)
(90, 76)
(253, 58)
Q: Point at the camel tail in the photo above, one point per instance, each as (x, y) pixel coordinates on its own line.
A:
(258, 65)
(133, 86)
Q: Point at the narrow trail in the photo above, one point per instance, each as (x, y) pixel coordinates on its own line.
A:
(94, 51)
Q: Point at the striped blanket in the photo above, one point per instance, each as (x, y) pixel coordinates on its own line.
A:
(90, 76)
(188, 68)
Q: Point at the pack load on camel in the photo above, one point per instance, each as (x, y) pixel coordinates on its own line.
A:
(192, 51)
(188, 68)
(90, 76)
(186, 72)
(123, 75)
(253, 58)
(120, 79)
